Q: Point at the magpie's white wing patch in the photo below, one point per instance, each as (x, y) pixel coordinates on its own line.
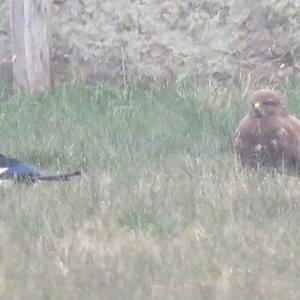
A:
(3, 170)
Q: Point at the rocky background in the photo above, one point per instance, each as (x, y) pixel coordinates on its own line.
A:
(159, 42)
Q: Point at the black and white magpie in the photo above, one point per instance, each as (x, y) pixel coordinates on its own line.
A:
(19, 171)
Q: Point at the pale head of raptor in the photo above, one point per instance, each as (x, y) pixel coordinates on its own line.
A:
(266, 103)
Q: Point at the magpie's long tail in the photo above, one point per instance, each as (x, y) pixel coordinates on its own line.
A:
(60, 177)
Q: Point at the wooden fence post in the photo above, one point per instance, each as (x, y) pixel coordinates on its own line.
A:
(31, 43)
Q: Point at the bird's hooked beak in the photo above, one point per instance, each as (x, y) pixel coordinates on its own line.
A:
(258, 113)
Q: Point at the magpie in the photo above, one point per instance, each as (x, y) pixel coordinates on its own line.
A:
(11, 168)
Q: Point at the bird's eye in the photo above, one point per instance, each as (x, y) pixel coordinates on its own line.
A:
(269, 103)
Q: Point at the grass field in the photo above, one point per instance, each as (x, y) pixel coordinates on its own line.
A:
(162, 210)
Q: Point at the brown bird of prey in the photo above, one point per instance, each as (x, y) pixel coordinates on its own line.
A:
(268, 136)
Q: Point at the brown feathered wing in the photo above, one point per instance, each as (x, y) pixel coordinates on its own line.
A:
(271, 142)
